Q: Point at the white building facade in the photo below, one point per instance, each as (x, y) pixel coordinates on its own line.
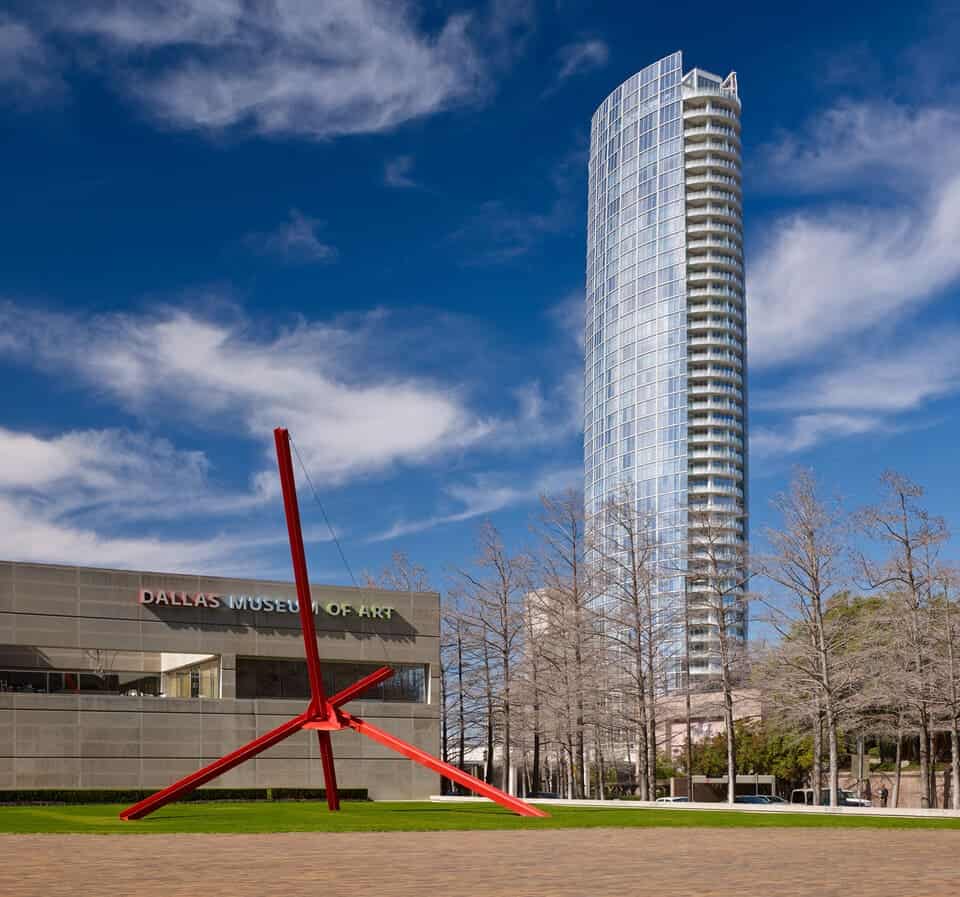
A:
(665, 331)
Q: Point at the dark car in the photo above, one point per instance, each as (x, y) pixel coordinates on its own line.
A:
(543, 795)
(752, 799)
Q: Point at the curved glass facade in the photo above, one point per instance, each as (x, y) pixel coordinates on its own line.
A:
(664, 416)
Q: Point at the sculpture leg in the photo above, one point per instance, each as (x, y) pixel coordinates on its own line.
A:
(217, 768)
(329, 771)
(521, 808)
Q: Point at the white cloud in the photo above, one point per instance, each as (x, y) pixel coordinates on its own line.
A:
(396, 173)
(825, 275)
(856, 144)
(486, 494)
(325, 383)
(507, 233)
(26, 63)
(807, 430)
(114, 476)
(575, 59)
(296, 240)
(29, 535)
(66, 499)
(319, 69)
(569, 315)
(901, 377)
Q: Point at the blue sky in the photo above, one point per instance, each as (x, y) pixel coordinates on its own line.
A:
(365, 221)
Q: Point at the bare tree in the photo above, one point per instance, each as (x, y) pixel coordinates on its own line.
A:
(567, 604)
(912, 537)
(946, 661)
(401, 576)
(625, 548)
(494, 598)
(716, 580)
(807, 561)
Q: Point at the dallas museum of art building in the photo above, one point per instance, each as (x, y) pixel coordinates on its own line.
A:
(113, 679)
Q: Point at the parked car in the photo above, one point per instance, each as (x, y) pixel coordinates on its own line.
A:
(543, 795)
(752, 799)
(849, 799)
(844, 798)
(776, 799)
(673, 800)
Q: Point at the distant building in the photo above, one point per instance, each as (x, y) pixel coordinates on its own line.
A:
(665, 332)
(706, 718)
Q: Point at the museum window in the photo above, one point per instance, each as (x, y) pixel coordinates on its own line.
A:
(36, 670)
(259, 677)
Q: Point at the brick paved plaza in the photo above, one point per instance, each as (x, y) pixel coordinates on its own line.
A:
(594, 862)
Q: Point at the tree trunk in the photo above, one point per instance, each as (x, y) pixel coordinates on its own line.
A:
(955, 766)
(816, 773)
(488, 772)
(860, 753)
(731, 745)
(924, 761)
(461, 713)
(507, 759)
(651, 739)
(600, 766)
(641, 763)
(444, 732)
(834, 760)
(898, 761)
(535, 771)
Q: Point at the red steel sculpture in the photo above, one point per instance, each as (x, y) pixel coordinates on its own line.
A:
(323, 714)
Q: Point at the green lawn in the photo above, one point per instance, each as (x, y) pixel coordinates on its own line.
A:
(383, 817)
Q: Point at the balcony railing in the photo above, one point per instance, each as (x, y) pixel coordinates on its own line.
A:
(708, 161)
(713, 178)
(710, 226)
(710, 111)
(697, 308)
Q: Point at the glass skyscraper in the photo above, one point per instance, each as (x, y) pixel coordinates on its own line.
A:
(665, 391)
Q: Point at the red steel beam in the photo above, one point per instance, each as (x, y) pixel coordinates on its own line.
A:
(360, 686)
(292, 511)
(521, 808)
(318, 700)
(329, 770)
(217, 768)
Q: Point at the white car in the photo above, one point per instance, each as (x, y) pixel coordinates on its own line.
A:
(673, 800)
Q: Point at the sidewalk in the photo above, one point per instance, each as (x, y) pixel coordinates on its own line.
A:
(907, 812)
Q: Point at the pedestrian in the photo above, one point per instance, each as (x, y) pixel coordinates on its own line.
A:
(884, 794)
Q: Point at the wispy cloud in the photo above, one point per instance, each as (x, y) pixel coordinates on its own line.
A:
(296, 240)
(569, 315)
(579, 58)
(857, 144)
(70, 497)
(505, 233)
(499, 231)
(349, 418)
(808, 430)
(897, 378)
(845, 267)
(877, 392)
(29, 534)
(396, 172)
(486, 494)
(27, 66)
(320, 69)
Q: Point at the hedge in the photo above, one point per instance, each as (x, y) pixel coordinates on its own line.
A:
(131, 796)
